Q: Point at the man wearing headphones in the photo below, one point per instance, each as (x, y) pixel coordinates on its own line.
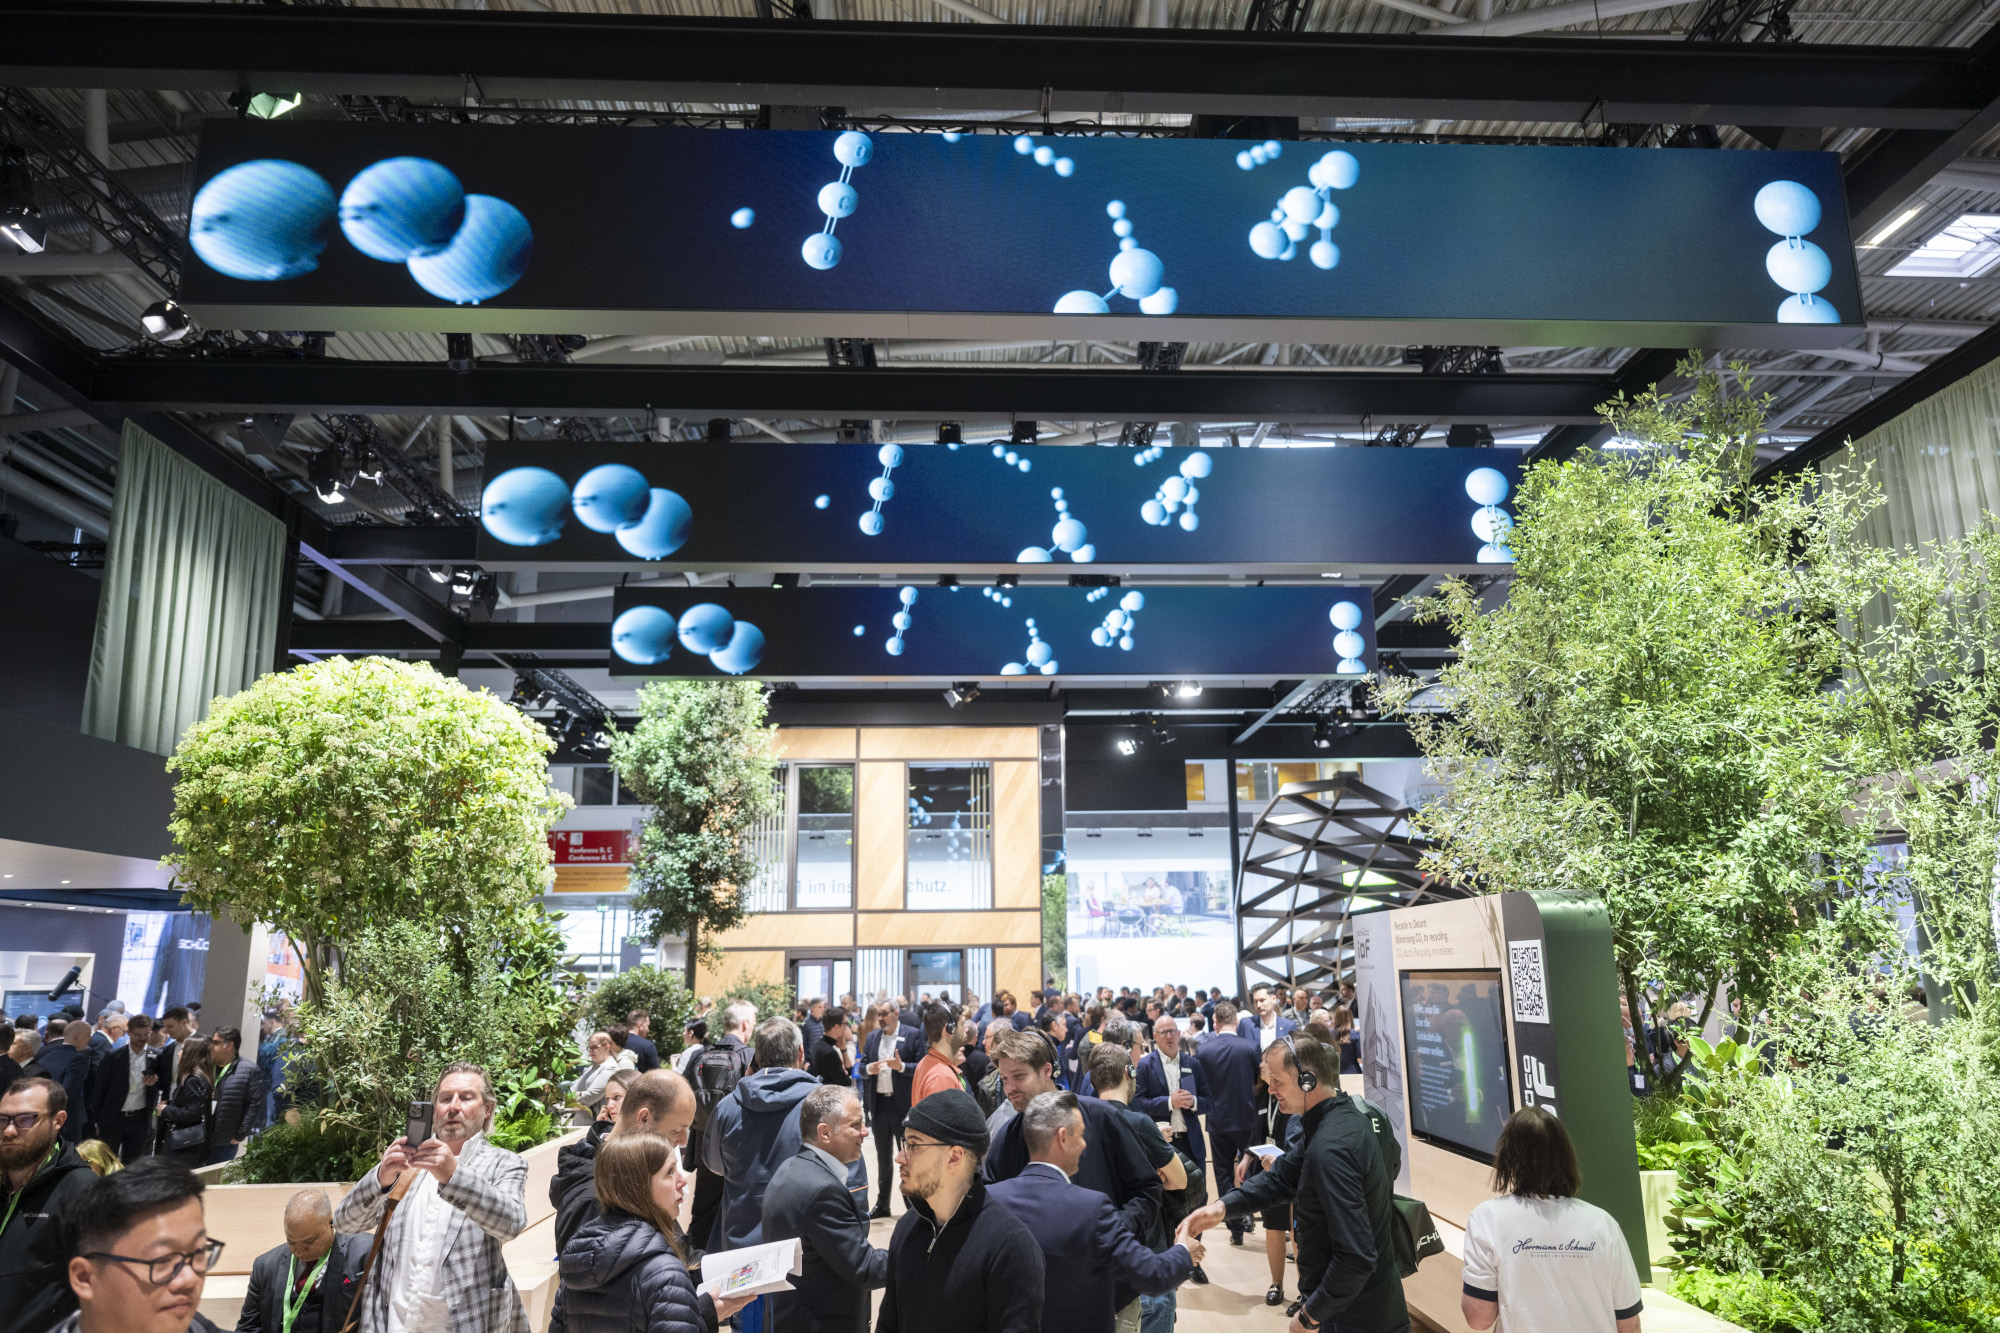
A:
(1339, 1186)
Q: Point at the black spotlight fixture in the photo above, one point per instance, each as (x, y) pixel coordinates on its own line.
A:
(324, 470)
(441, 574)
(524, 692)
(20, 216)
(1023, 433)
(718, 430)
(947, 580)
(464, 580)
(961, 693)
(1188, 689)
(165, 322)
(1007, 581)
(951, 432)
(1323, 734)
(1128, 746)
(458, 352)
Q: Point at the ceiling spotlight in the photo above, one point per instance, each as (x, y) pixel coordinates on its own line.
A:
(464, 580)
(323, 470)
(1007, 581)
(524, 692)
(961, 693)
(1023, 433)
(438, 573)
(1322, 735)
(458, 352)
(1188, 689)
(20, 216)
(1128, 746)
(950, 433)
(166, 322)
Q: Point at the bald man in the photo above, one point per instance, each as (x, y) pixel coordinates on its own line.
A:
(313, 1274)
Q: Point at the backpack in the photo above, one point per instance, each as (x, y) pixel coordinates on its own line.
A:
(1415, 1234)
(715, 1074)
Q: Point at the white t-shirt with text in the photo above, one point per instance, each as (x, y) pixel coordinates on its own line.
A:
(1554, 1265)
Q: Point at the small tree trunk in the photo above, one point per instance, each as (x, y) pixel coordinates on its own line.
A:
(693, 939)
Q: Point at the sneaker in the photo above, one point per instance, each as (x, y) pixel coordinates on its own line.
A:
(1200, 1278)
(1275, 1296)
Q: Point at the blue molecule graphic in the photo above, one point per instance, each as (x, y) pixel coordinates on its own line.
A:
(742, 218)
(1787, 208)
(1303, 208)
(1345, 615)
(821, 250)
(1136, 274)
(525, 506)
(1795, 264)
(860, 630)
(1349, 644)
(1486, 486)
(489, 254)
(401, 208)
(838, 199)
(611, 497)
(262, 221)
(705, 628)
(643, 635)
(1178, 494)
(743, 652)
(822, 501)
(662, 531)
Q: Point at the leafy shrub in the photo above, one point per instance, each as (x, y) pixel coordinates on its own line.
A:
(659, 992)
(304, 1149)
(771, 998)
(1756, 1303)
(524, 1129)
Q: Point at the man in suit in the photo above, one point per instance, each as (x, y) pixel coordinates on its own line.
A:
(808, 1198)
(1229, 1069)
(466, 1198)
(1267, 1024)
(1087, 1250)
(122, 1097)
(1168, 1086)
(812, 1024)
(312, 1276)
(889, 1057)
(239, 1095)
(70, 1062)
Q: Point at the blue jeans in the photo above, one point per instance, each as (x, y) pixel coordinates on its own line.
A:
(1156, 1313)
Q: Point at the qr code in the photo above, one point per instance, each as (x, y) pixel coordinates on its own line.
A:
(1526, 980)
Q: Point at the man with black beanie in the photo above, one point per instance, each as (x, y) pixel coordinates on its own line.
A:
(958, 1261)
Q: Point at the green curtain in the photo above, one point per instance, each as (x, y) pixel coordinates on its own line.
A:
(1938, 464)
(189, 609)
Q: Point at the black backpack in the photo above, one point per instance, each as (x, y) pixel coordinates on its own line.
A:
(1416, 1236)
(715, 1074)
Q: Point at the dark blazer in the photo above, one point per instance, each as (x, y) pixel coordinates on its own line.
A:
(1086, 1251)
(71, 1068)
(827, 1063)
(837, 1266)
(108, 1085)
(911, 1042)
(1229, 1067)
(1149, 1096)
(1247, 1026)
(326, 1305)
(1114, 1162)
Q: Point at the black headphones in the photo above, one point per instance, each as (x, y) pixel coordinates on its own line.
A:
(1055, 1055)
(1307, 1079)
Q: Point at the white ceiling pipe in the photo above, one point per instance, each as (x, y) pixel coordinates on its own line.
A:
(973, 12)
(771, 431)
(59, 503)
(1873, 360)
(588, 593)
(1422, 11)
(1927, 328)
(57, 472)
(1554, 16)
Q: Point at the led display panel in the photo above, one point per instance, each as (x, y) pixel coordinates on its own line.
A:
(963, 508)
(963, 632)
(618, 230)
(1460, 1079)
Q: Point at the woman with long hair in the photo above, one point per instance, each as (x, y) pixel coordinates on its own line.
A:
(186, 1112)
(626, 1271)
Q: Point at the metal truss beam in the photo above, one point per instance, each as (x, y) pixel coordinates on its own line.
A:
(455, 55)
(1641, 371)
(700, 392)
(1887, 171)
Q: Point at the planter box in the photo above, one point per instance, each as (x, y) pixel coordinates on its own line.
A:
(1656, 1190)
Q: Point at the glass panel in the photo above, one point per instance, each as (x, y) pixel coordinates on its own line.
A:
(1197, 782)
(593, 785)
(826, 837)
(938, 974)
(950, 837)
(562, 777)
(1297, 773)
(814, 980)
(766, 890)
(595, 936)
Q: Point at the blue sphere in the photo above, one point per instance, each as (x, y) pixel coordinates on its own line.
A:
(821, 250)
(890, 455)
(1081, 303)
(643, 635)
(1137, 273)
(1348, 644)
(871, 523)
(853, 149)
(525, 506)
(662, 531)
(742, 218)
(1345, 615)
(907, 596)
(262, 221)
(489, 254)
(401, 208)
(894, 647)
(837, 199)
(610, 497)
(859, 631)
(1486, 486)
(1787, 208)
(1807, 310)
(743, 652)
(705, 628)
(822, 501)
(1798, 266)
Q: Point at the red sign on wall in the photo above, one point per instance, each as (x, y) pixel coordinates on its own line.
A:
(589, 847)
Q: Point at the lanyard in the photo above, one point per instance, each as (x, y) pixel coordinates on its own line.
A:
(15, 1202)
(296, 1303)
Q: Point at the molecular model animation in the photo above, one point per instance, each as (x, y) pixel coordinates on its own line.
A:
(268, 220)
(1177, 494)
(1044, 155)
(1069, 536)
(1118, 622)
(1794, 263)
(1040, 657)
(880, 490)
(837, 198)
(1348, 645)
(1491, 523)
(1137, 274)
(998, 597)
(1268, 151)
(644, 636)
(1011, 458)
(1305, 207)
(526, 506)
(901, 620)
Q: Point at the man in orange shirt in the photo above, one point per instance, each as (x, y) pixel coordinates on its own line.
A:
(948, 1034)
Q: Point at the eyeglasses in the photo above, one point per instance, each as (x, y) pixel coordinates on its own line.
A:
(200, 1260)
(22, 1122)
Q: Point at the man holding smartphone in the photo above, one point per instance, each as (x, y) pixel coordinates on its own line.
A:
(441, 1268)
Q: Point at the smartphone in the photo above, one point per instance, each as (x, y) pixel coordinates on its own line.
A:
(420, 1124)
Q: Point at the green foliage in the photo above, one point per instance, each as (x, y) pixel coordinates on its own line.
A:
(1756, 1303)
(771, 998)
(701, 756)
(304, 1149)
(657, 991)
(524, 1129)
(1055, 927)
(340, 794)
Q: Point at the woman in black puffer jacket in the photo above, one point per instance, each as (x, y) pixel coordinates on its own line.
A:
(626, 1270)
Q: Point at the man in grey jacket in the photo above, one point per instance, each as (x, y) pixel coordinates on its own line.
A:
(809, 1198)
(441, 1269)
(755, 1130)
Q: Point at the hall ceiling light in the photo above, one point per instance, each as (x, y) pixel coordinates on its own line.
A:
(166, 322)
(1128, 746)
(324, 471)
(20, 216)
(1188, 689)
(1892, 226)
(961, 693)
(1965, 249)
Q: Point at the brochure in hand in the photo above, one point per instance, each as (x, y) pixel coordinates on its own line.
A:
(750, 1271)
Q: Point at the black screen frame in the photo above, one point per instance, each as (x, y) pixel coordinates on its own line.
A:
(1496, 975)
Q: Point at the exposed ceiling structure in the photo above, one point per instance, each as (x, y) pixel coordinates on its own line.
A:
(106, 100)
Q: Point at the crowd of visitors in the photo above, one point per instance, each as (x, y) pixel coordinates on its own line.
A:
(1053, 1163)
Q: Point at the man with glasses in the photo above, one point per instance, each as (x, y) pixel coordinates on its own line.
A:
(141, 1252)
(42, 1177)
(307, 1284)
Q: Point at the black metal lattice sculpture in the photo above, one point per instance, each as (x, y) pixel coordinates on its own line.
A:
(1320, 854)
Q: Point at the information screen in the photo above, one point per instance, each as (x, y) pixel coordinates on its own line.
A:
(1459, 1075)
